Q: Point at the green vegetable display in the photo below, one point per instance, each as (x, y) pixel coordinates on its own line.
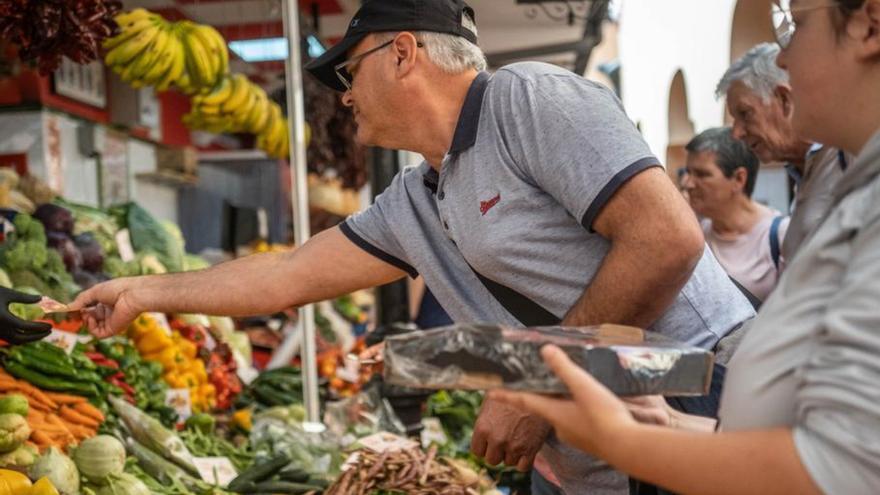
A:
(14, 430)
(148, 235)
(278, 387)
(30, 263)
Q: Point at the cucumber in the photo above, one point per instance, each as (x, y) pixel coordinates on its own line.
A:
(258, 472)
(286, 487)
(295, 475)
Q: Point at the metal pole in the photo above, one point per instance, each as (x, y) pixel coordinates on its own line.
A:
(300, 198)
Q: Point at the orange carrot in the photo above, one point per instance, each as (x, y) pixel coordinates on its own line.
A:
(77, 418)
(89, 410)
(42, 439)
(37, 394)
(65, 399)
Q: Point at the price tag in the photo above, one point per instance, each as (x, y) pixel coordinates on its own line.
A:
(215, 470)
(179, 400)
(123, 244)
(432, 432)
(384, 441)
(62, 339)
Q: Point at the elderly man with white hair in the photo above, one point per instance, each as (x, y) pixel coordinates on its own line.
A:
(759, 100)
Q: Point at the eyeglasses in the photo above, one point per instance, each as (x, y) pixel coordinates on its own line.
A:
(344, 74)
(783, 23)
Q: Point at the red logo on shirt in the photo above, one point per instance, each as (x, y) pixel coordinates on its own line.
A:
(485, 206)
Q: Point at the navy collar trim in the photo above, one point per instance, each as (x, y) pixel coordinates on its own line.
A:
(469, 119)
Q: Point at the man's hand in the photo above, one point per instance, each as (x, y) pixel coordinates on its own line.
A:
(589, 420)
(108, 308)
(507, 434)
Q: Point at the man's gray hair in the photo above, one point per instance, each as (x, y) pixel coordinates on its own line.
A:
(756, 69)
(452, 54)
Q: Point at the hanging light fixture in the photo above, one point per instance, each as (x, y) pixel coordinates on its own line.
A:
(569, 11)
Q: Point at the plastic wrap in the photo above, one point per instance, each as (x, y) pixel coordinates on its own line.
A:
(627, 360)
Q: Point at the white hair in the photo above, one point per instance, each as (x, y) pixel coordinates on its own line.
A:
(452, 54)
(756, 69)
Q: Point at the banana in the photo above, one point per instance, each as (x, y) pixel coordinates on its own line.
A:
(128, 32)
(178, 64)
(198, 63)
(220, 93)
(241, 113)
(201, 36)
(239, 93)
(162, 64)
(126, 18)
(124, 53)
(219, 44)
(264, 111)
(223, 48)
(154, 55)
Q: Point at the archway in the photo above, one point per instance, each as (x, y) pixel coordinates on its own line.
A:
(681, 129)
(751, 25)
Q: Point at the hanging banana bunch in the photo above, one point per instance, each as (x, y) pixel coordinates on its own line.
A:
(238, 105)
(150, 51)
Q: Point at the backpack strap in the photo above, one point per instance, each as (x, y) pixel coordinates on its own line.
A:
(528, 312)
(774, 241)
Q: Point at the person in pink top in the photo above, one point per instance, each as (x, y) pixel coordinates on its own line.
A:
(744, 235)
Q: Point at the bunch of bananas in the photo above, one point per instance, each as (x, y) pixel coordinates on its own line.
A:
(238, 105)
(150, 51)
(207, 59)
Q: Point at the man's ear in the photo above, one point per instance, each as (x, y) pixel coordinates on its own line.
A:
(864, 28)
(783, 94)
(741, 176)
(405, 49)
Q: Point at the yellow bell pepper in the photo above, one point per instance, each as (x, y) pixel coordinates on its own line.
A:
(174, 380)
(43, 487)
(197, 367)
(154, 341)
(187, 348)
(243, 418)
(13, 483)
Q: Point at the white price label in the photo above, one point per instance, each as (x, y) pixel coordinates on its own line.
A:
(384, 441)
(179, 400)
(62, 339)
(432, 432)
(123, 244)
(215, 470)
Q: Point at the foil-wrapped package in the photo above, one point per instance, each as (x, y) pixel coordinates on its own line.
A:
(627, 360)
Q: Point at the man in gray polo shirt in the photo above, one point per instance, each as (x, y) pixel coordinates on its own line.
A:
(538, 202)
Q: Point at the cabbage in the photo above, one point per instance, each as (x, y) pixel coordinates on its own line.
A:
(100, 457)
(60, 470)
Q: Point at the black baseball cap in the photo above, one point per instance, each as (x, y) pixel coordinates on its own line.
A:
(439, 16)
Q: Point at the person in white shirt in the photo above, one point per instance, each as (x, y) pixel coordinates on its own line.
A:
(800, 409)
(744, 235)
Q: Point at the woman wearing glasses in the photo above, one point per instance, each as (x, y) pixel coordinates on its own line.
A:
(801, 407)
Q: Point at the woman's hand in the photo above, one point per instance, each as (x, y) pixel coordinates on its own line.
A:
(652, 410)
(590, 420)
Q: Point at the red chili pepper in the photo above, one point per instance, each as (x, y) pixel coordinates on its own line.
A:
(125, 387)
